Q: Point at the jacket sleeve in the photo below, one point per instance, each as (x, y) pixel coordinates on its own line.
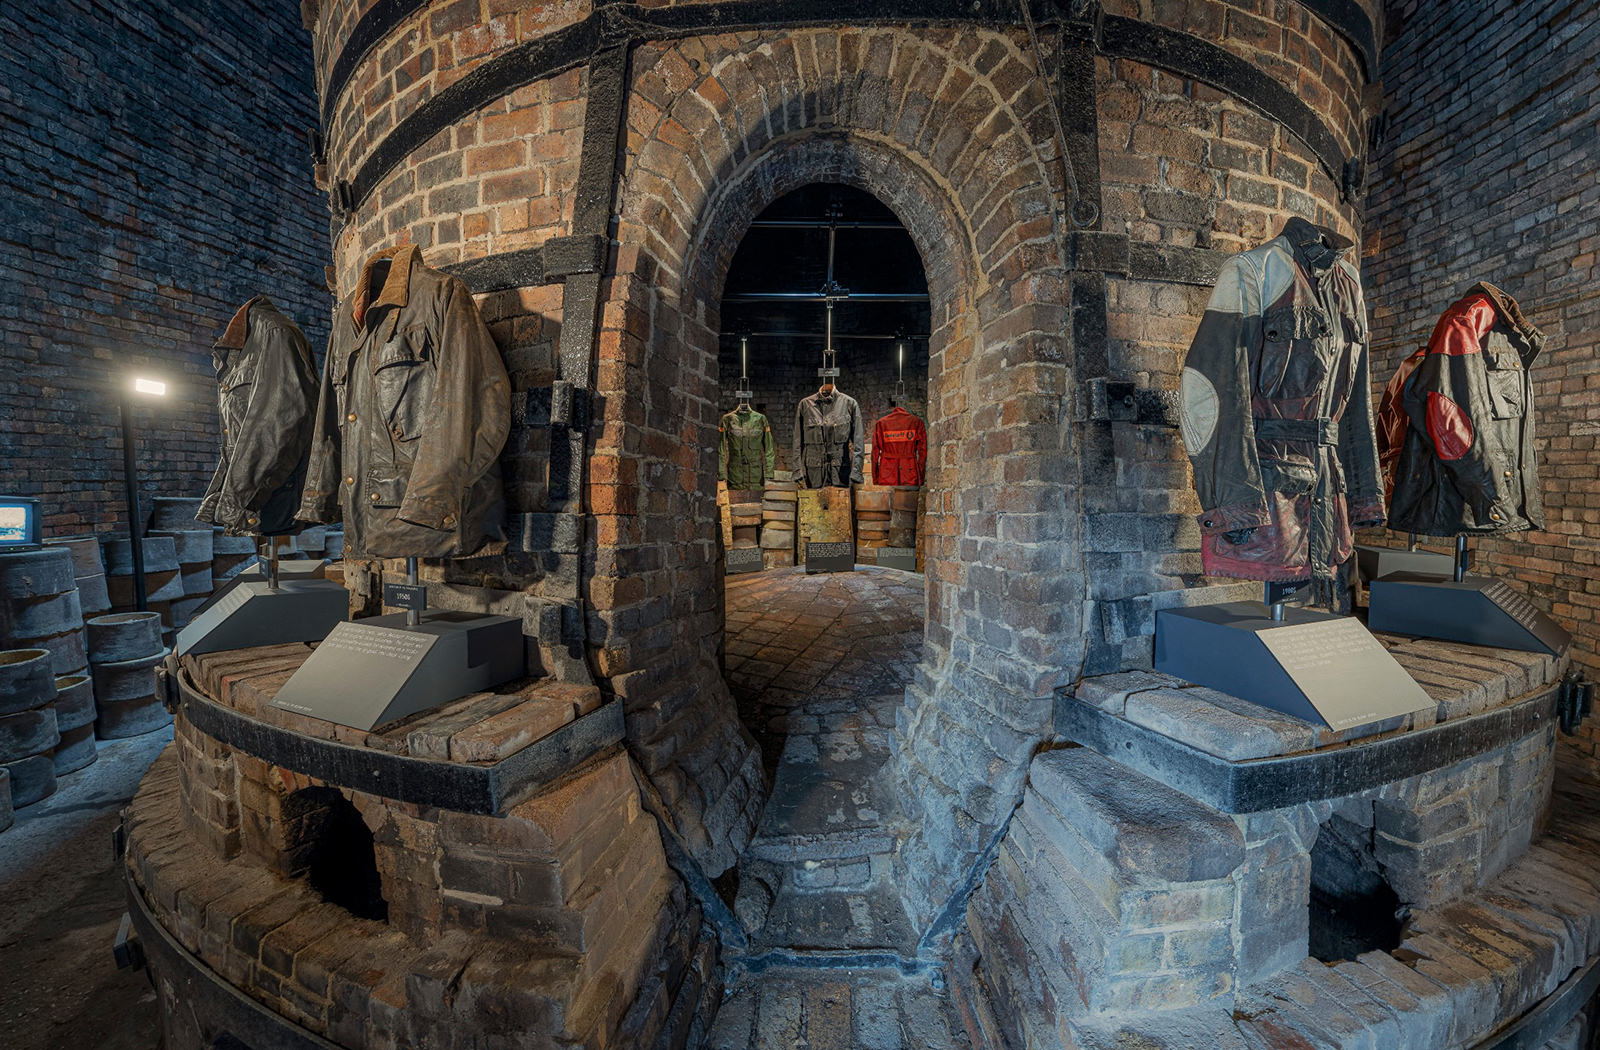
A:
(319, 500)
(769, 449)
(797, 450)
(469, 416)
(275, 437)
(1214, 408)
(1358, 445)
(922, 449)
(722, 450)
(1450, 383)
(858, 441)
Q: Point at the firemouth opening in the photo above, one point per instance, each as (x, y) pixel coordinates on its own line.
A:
(333, 850)
(1354, 910)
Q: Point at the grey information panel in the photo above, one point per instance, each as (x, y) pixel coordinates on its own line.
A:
(743, 559)
(251, 613)
(1313, 665)
(1374, 563)
(898, 558)
(371, 672)
(1479, 609)
(297, 570)
(830, 557)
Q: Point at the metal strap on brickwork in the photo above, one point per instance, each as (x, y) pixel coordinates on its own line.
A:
(618, 25)
(489, 790)
(1277, 783)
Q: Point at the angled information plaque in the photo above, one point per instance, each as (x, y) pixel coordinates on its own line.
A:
(1479, 609)
(1313, 665)
(253, 612)
(370, 672)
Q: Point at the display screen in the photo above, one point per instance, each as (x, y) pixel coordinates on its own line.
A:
(19, 522)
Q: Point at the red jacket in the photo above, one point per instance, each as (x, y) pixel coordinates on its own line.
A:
(899, 449)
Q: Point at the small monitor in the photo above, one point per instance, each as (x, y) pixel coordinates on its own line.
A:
(19, 522)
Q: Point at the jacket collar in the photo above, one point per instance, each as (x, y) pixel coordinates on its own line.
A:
(1314, 247)
(233, 336)
(1512, 315)
(396, 289)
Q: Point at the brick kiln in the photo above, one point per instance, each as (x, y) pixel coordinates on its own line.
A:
(536, 867)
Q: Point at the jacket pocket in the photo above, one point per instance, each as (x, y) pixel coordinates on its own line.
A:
(1506, 382)
(403, 375)
(1287, 477)
(1290, 365)
(386, 492)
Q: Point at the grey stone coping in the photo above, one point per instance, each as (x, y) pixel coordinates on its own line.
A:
(1235, 782)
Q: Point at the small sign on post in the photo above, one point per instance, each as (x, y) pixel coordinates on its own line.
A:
(743, 559)
(405, 596)
(898, 558)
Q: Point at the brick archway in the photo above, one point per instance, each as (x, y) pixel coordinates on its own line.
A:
(719, 129)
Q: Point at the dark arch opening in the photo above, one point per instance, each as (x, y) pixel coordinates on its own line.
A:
(818, 662)
(332, 848)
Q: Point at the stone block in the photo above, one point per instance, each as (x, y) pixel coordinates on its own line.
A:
(777, 540)
(1109, 692)
(1143, 826)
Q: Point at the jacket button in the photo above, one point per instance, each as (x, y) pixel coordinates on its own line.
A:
(1495, 515)
(1208, 523)
(374, 497)
(349, 481)
(351, 418)
(1507, 473)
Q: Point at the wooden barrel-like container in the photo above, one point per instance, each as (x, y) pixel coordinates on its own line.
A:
(124, 636)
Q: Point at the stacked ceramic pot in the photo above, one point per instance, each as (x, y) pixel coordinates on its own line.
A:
(88, 571)
(125, 650)
(194, 570)
(28, 732)
(163, 582)
(41, 608)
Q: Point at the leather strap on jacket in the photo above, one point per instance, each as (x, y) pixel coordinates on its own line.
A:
(1315, 431)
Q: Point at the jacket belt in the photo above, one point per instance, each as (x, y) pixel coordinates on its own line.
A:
(1315, 431)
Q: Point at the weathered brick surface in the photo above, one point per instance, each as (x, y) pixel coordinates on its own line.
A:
(1514, 137)
(146, 196)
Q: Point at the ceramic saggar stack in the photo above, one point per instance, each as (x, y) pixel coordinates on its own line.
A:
(28, 732)
(777, 521)
(195, 550)
(33, 615)
(88, 571)
(125, 649)
(163, 584)
(7, 818)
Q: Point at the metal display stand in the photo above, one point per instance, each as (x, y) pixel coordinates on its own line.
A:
(265, 611)
(1314, 665)
(1458, 607)
(370, 672)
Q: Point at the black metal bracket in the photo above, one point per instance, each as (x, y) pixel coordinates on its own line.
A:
(126, 948)
(1120, 401)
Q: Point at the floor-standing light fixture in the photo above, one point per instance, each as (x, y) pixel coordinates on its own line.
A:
(138, 387)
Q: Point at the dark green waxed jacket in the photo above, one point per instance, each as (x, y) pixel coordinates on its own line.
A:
(747, 454)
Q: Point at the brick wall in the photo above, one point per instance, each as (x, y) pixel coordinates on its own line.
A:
(154, 175)
(1496, 180)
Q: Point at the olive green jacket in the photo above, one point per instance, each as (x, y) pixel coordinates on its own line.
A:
(748, 455)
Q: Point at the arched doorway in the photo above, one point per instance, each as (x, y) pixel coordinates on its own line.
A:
(824, 327)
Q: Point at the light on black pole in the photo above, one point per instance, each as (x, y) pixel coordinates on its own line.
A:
(140, 387)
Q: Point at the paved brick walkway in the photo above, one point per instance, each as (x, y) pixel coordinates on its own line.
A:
(805, 653)
(803, 1009)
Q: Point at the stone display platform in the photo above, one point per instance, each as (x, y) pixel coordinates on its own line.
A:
(1157, 877)
(286, 908)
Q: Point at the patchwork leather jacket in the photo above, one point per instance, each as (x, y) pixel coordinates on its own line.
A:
(747, 456)
(266, 395)
(414, 410)
(1467, 463)
(899, 449)
(1276, 412)
(829, 438)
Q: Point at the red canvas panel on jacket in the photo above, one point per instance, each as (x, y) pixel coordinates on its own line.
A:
(899, 449)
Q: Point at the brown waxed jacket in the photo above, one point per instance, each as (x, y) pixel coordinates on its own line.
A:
(829, 438)
(266, 394)
(414, 410)
(1277, 411)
